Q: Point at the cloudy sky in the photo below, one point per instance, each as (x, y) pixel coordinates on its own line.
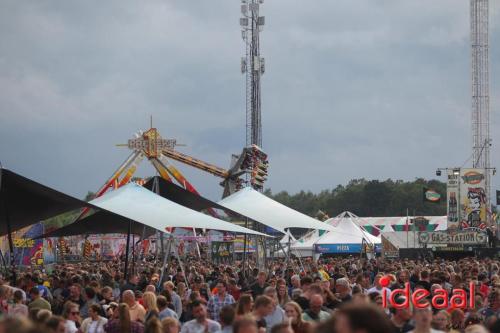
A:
(370, 88)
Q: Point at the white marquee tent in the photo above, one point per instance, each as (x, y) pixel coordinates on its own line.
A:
(258, 207)
(141, 205)
(347, 239)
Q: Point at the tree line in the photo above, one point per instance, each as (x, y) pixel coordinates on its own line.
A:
(368, 198)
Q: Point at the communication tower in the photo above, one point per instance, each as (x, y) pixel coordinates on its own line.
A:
(253, 66)
(481, 140)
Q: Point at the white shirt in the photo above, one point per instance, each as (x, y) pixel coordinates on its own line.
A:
(94, 326)
(193, 326)
(385, 289)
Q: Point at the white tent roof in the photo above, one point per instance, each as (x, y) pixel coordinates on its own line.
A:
(260, 208)
(347, 232)
(141, 205)
(288, 237)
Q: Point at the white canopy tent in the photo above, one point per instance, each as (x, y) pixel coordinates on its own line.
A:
(347, 238)
(258, 207)
(304, 246)
(141, 205)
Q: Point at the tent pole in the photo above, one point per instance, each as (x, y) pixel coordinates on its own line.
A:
(3, 185)
(165, 256)
(180, 263)
(4, 264)
(127, 249)
(289, 245)
(245, 249)
(196, 242)
(133, 254)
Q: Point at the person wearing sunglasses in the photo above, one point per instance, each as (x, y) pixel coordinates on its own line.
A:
(71, 313)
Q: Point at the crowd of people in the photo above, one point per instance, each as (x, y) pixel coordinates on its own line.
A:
(330, 295)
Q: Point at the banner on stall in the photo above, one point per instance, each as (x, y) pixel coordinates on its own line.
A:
(453, 237)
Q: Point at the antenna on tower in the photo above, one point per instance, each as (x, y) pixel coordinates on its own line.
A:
(481, 140)
(253, 66)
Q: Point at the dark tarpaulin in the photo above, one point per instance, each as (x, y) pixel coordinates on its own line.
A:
(101, 222)
(25, 202)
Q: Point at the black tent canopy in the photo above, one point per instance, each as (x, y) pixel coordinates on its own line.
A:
(101, 222)
(24, 202)
(182, 196)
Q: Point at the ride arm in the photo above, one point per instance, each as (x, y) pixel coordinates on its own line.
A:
(194, 162)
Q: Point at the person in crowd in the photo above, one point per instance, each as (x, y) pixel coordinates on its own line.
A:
(106, 296)
(90, 297)
(353, 318)
(233, 289)
(71, 314)
(227, 315)
(201, 322)
(401, 317)
(423, 320)
(109, 309)
(75, 294)
(477, 329)
(218, 301)
(153, 325)
(282, 328)
(294, 284)
(315, 312)
(258, 287)
(244, 306)
(170, 325)
(277, 316)
(55, 324)
(493, 307)
(150, 305)
(94, 323)
(457, 320)
(37, 301)
(294, 314)
(283, 297)
(164, 310)
(442, 321)
(42, 316)
(137, 311)
(343, 289)
(17, 308)
(122, 322)
(176, 299)
(263, 307)
(246, 325)
(378, 287)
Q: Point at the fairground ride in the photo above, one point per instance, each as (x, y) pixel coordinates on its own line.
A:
(159, 151)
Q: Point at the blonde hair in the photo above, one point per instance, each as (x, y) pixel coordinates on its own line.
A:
(297, 309)
(168, 284)
(149, 300)
(169, 322)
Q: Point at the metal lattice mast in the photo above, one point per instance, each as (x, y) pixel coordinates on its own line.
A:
(253, 66)
(481, 140)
